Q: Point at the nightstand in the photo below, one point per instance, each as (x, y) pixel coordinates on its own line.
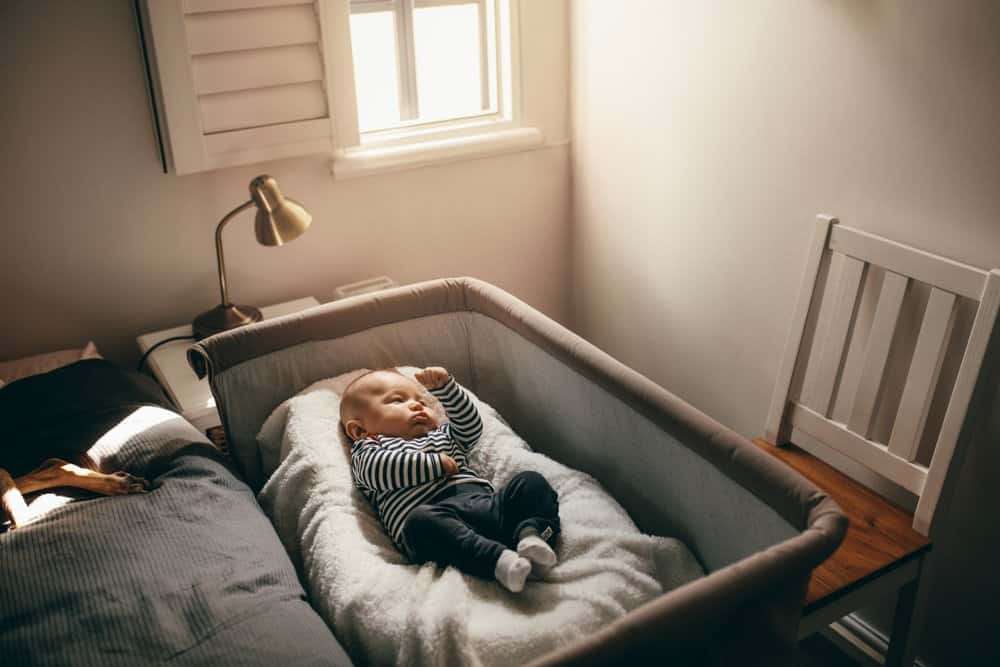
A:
(170, 367)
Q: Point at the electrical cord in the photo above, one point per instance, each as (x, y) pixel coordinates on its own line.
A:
(158, 344)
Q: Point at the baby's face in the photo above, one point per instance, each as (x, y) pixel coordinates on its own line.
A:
(396, 406)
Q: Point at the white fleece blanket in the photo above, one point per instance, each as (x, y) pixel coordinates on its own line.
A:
(388, 612)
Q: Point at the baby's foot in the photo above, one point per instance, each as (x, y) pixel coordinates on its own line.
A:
(512, 571)
(537, 551)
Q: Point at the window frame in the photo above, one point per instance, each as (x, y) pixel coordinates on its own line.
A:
(416, 143)
(409, 96)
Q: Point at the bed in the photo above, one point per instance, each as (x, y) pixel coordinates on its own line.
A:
(756, 528)
(189, 573)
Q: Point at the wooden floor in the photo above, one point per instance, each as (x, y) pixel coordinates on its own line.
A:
(879, 537)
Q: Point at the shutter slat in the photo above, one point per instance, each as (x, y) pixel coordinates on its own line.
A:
(286, 134)
(219, 32)
(243, 70)
(199, 6)
(262, 106)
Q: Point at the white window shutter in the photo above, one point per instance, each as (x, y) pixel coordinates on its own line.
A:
(238, 81)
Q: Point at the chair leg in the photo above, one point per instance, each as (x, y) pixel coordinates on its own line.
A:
(901, 623)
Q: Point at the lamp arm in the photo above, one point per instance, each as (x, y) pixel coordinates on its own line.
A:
(218, 250)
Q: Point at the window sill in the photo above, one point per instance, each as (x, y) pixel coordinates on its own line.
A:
(368, 161)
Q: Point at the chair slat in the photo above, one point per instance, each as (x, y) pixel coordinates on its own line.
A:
(819, 393)
(775, 429)
(961, 395)
(877, 353)
(875, 457)
(934, 270)
(923, 375)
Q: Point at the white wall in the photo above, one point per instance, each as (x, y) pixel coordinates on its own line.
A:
(99, 244)
(706, 137)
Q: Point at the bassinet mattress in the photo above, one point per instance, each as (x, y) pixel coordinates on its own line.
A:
(387, 611)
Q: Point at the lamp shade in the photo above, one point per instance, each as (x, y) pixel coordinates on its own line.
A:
(279, 219)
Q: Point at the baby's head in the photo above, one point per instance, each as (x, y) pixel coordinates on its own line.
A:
(387, 403)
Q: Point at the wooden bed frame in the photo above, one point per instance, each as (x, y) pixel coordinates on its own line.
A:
(885, 546)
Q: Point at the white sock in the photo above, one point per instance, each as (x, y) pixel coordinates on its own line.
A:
(512, 571)
(535, 549)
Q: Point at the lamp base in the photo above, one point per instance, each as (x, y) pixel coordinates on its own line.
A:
(224, 318)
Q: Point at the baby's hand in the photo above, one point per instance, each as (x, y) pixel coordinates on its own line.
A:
(449, 465)
(432, 377)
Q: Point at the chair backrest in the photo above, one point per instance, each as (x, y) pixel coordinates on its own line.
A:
(852, 252)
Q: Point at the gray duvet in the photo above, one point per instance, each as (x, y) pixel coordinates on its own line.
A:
(189, 573)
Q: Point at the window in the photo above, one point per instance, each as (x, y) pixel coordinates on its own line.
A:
(380, 84)
(423, 61)
(433, 81)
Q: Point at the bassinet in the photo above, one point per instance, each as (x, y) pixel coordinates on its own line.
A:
(757, 528)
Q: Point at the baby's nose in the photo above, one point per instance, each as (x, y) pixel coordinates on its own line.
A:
(416, 406)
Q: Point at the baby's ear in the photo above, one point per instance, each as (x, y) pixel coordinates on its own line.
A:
(354, 429)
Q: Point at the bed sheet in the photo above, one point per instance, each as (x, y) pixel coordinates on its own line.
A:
(190, 573)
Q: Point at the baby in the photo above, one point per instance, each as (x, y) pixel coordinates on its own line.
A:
(412, 468)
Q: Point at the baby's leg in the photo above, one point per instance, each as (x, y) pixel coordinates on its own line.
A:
(438, 533)
(529, 508)
(527, 503)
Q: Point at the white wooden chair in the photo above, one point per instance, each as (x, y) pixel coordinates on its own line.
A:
(881, 552)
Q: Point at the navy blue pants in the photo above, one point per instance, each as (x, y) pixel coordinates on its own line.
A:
(469, 526)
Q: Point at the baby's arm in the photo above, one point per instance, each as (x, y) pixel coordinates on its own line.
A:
(381, 469)
(466, 424)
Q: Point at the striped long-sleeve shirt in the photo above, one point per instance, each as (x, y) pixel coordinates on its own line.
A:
(397, 475)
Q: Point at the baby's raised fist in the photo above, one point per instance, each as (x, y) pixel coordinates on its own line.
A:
(432, 377)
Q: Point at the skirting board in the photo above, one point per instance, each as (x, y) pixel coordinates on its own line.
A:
(861, 641)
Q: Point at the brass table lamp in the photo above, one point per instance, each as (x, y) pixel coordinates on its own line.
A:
(278, 221)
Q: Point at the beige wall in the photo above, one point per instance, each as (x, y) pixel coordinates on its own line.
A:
(707, 135)
(99, 243)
